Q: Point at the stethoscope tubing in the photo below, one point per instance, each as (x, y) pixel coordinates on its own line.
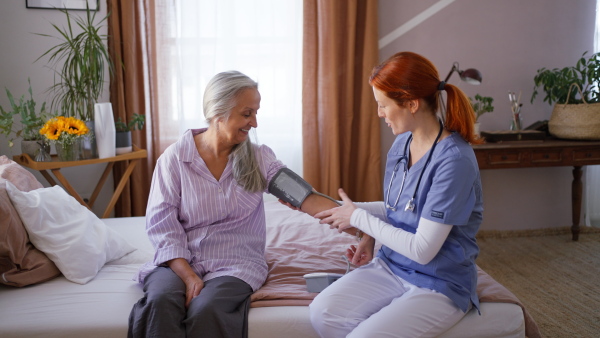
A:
(410, 205)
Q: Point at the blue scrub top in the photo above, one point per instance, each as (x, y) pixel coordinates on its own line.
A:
(449, 193)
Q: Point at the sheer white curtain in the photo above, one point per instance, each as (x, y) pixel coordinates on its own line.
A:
(260, 38)
(592, 173)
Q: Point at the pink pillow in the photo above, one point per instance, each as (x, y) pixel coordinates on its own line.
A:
(17, 175)
(21, 263)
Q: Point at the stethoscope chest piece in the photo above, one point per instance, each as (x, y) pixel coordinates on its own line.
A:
(410, 205)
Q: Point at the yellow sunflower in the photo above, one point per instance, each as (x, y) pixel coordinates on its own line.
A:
(75, 126)
(64, 129)
(52, 129)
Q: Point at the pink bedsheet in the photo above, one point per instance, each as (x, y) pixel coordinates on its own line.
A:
(298, 245)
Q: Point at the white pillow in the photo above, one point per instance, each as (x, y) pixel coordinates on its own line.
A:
(77, 241)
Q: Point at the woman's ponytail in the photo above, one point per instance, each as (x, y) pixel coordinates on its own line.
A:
(460, 116)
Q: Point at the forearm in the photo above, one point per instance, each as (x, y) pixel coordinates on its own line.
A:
(182, 269)
(314, 204)
(421, 246)
(376, 209)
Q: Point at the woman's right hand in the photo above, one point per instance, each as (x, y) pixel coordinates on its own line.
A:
(193, 286)
(193, 283)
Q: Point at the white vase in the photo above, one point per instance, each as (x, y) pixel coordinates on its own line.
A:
(105, 129)
(477, 129)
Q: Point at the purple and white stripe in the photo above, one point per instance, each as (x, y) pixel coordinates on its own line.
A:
(217, 226)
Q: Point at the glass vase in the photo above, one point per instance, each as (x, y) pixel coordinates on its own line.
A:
(69, 151)
(89, 148)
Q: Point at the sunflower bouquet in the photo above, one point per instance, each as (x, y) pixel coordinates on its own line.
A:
(66, 133)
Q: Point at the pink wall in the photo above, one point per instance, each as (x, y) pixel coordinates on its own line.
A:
(507, 41)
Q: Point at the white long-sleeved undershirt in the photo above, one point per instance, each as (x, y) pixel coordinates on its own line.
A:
(420, 247)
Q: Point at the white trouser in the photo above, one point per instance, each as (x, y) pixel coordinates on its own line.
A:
(373, 302)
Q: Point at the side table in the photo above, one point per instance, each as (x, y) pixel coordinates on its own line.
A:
(546, 153)
(55, 165)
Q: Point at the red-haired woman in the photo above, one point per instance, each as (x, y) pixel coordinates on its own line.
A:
(423, 279)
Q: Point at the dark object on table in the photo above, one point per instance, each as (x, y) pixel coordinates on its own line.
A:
(513, 135)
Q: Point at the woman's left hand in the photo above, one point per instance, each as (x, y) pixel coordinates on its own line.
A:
(338, 218)
(363, 253)
(288, 205)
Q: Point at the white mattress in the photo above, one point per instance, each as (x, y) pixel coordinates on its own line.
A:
(100, 308)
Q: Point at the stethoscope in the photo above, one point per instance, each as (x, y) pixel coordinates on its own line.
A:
(410, 205)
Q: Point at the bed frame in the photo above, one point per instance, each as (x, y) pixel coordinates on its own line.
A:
(297, 244)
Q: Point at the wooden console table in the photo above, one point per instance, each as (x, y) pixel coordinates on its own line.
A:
(55, 165)
(547, 153)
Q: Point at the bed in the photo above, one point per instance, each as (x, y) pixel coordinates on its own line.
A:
(297, 244)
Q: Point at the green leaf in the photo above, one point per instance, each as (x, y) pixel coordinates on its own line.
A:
(556, 82)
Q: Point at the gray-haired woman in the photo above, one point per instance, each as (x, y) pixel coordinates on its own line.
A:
(205, 219)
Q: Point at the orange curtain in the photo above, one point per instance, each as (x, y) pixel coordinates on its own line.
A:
(128, 96)
(341, 131)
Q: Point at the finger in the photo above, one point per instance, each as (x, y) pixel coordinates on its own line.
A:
(197, 290)
(287, 204)
(356, 258)
(343, 195)
(323, 214)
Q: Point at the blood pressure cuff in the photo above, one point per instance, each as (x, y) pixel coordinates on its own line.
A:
(289, 187)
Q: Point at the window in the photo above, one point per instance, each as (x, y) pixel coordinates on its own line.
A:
(260, 38)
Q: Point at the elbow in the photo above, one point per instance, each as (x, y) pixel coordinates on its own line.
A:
(424, 254)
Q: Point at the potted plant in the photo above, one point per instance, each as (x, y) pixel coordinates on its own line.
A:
(80, 61)
(575, 95)
(23, 111)
(481, 105)
(123, 132)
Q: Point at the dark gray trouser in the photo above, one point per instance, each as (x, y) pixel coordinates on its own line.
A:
(221, 309)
